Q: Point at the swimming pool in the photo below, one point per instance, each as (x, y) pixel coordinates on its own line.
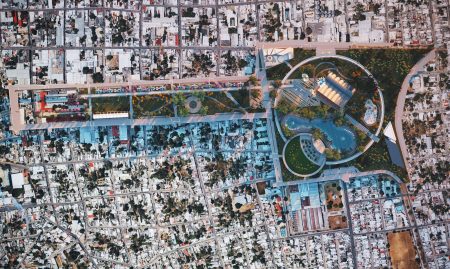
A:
(341, 137)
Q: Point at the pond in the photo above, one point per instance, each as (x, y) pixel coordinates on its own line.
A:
(341, 137)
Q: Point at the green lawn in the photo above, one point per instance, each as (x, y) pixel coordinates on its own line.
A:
(296, 159)
(111, 104)
(152, 105)
(377, 157)
(225, 105)
(242, 96)
(287, 175)
(280, 141)
(279, 71)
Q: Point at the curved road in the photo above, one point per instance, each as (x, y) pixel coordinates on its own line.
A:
(401, 103)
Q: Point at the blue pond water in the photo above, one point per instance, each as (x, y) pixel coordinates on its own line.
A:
(341, 138)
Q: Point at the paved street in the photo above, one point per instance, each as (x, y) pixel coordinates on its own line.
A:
(207, 223)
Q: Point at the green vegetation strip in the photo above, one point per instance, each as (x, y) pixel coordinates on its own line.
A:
(242, 96)
(149, 106)
(218, 102)
(280, 141)
(296, 159)
(377, 157)
(278, 72)
(111, 104)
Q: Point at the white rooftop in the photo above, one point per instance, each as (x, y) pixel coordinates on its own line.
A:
(389, 132)
(17, 180)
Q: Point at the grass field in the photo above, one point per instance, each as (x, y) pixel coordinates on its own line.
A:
(223, 106)
(296, 159)
(111, 104)
(242, 97)
(402, 251)
(287, 175)
(151, 105)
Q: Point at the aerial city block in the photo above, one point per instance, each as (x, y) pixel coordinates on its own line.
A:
(224, 134)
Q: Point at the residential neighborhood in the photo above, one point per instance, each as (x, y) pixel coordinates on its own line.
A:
(224, 134)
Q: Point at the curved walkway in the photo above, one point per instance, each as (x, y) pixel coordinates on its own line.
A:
(219, 102)
(277, 123)
(401, 104)
(378, 172)
(356, 155)
(158, 109)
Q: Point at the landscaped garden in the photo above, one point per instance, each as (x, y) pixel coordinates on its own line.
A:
(377, 157)
(339, 138)
(214, 102)
(388, 66)
(338, 125)
(296, 160)
(152, 105)
(218, 102)
(364, 85)
(242, 96)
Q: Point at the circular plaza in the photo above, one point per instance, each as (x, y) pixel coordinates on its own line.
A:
(328, 111)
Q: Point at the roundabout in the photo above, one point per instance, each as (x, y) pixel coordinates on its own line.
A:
(193, 104)
(332, 101)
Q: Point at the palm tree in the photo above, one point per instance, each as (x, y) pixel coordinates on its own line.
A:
(317, 134)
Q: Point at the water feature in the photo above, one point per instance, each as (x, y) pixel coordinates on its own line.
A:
(341, 137)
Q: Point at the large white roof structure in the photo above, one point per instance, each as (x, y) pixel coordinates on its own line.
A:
(334, 90)
(17, 180)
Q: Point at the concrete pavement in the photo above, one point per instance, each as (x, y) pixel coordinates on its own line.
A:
(321, 46)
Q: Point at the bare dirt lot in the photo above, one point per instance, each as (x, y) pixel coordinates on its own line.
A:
(337, 222)
(334, 197)
(402, 251)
